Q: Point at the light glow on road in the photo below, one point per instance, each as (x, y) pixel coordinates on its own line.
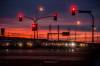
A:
(20, 44)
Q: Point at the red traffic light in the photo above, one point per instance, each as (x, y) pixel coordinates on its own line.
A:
(73, 11)
(55, 16)
(20, 18)
(34, 27)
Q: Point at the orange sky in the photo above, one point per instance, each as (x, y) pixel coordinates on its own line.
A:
(26, 33)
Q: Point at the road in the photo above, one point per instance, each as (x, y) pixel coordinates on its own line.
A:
(46, 57)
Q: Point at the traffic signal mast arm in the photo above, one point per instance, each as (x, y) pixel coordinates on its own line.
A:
(81, 11)
(92, 17)
(35, 20)
(43, 18)
(30, 18)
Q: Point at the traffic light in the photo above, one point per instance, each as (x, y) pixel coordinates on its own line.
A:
(55, 17)
(73, 11)
(20, 18)
(2, 31)
(34, 27)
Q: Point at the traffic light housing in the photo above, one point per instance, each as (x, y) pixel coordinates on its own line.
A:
(20, 18)
(73, 11)
(55, 16)
(34, 27)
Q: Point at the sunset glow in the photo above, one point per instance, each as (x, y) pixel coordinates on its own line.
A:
(26, 33)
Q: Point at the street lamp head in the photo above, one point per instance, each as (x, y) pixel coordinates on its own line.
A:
(95, 28)
(78, 23)
(41, 8)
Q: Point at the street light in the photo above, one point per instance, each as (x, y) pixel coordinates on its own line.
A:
(41, 8)
(77, 24)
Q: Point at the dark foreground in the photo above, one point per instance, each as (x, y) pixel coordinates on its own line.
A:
(87, 56)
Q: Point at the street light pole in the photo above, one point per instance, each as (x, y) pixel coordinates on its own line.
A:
(77, 24)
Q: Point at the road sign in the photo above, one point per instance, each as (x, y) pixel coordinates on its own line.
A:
(65, 33)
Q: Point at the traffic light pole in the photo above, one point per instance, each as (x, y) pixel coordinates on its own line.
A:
(92, 26)
(36, 20)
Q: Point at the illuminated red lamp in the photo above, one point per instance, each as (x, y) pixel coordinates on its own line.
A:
(20, 18)
(34, 27)
(73, 9)
(55, 15)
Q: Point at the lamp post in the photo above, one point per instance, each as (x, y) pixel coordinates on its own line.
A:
(40, 9)
(77, 24)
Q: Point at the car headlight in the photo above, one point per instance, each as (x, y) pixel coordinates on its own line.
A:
(20, 44)
(72, 44)
(29, 44)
